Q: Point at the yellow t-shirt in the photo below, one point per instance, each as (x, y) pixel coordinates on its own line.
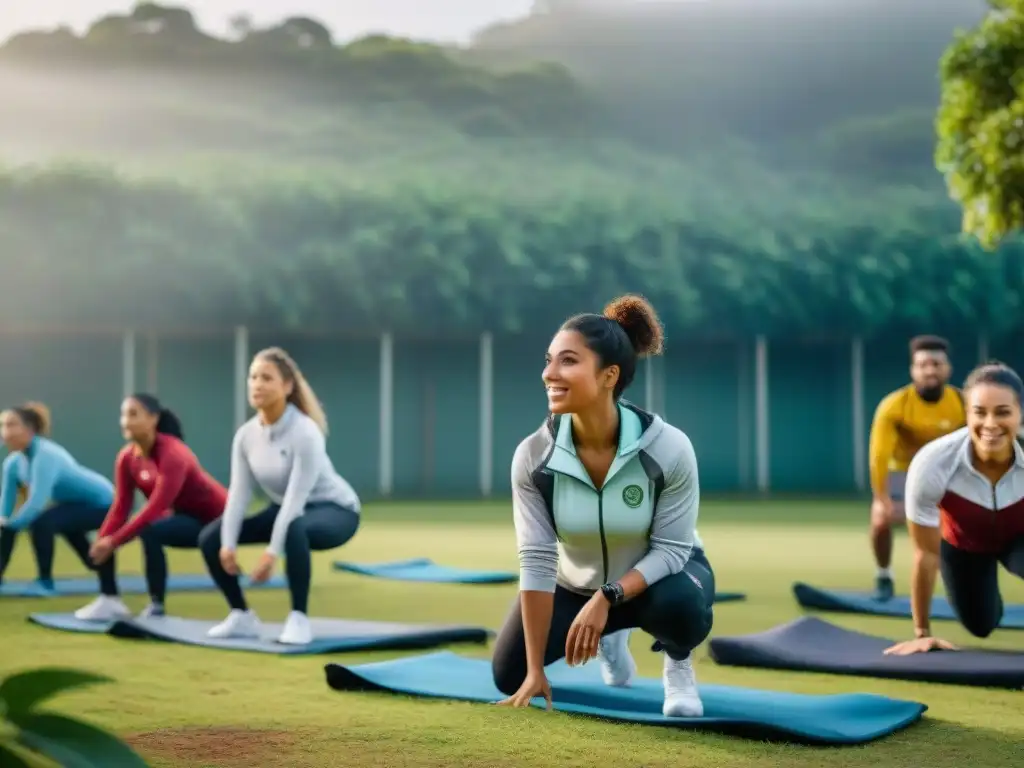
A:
(903, 424)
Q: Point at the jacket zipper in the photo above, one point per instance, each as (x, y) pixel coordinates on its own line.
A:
(604, 543)
(995, 510)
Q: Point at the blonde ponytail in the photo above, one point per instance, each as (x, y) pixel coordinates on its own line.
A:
(302, 397)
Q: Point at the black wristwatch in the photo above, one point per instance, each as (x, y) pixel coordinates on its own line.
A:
(613, 593)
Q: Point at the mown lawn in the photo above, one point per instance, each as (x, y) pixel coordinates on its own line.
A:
(183, 706)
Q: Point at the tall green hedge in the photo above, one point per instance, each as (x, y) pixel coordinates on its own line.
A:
(89, 247)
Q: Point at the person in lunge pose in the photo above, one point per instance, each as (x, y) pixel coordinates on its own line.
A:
(965, 510)
(905, 420)
(181, 498)
(281, 451)
(61, 496)
(605, 501)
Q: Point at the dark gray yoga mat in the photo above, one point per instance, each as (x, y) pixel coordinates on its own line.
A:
(839, 601)
(329, 635)
(810, 644)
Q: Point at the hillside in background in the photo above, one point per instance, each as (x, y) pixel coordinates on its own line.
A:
(749, 171)
(838, 87)
(848, 86)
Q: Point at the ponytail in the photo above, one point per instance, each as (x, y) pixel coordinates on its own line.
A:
(302, 396)
(167, 422)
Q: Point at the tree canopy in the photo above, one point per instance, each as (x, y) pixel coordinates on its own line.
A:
(981, 123)
(426, 258)
(281, 179)
(535, 98)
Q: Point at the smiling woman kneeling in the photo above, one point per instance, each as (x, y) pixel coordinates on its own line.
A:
(605, 499)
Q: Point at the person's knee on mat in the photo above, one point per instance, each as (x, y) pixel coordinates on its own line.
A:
(980, 627)
(680, 614)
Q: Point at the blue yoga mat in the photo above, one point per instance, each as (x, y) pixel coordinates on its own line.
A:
(425, 569)
(841, 719)
(128, 585)
(330, 635)
(899, 607)
(810, 644)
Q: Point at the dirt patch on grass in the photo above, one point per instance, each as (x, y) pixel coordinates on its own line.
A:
(225, 747)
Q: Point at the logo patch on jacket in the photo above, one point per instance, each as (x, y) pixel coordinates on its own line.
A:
(632, 496)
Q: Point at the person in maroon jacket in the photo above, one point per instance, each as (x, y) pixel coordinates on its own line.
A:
(181, 498)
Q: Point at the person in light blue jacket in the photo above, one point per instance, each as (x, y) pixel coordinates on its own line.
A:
(60, 495)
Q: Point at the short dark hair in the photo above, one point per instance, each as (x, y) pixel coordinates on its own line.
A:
(627, 330)
(928, 343)
(998, 374)
(167, 422)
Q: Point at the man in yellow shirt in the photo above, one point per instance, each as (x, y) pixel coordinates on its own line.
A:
(904, 422)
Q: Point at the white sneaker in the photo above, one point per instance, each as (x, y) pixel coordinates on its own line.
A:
(152, 611)
(297, 630)
(617, 665)
(104, 608)
(237, 624)
(682, 699)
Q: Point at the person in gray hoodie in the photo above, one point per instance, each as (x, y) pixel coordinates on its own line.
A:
(605, 503)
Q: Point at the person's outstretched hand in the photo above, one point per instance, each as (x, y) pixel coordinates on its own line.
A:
(264, 568)
(920, 645)
(581, 644)
(101, 550)
(228, 561)
(536, 684)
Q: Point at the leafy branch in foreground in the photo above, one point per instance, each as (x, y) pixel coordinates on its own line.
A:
(31, 738)
(981, 124)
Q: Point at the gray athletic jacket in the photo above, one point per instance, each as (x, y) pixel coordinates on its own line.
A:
(644, 517)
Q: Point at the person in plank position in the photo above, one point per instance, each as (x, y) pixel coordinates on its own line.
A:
(181, 498)
(965, 510)
(281, 451)
(62, 496)
(605, 502)
(904, 421)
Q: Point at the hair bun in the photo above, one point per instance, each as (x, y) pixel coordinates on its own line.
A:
(640, 322)
(40, 416)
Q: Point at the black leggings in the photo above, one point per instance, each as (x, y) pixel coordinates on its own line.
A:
(319, 527)
(972, 584)
(73, 521)
(180, 531)
(677, 611)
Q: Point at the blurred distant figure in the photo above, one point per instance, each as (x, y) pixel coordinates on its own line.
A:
(605, 505)
(904, 422)
(282, 452)
(61, 496)
(965, 510)
(181, 497)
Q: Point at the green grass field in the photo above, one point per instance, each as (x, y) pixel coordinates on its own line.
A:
(182, 706)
